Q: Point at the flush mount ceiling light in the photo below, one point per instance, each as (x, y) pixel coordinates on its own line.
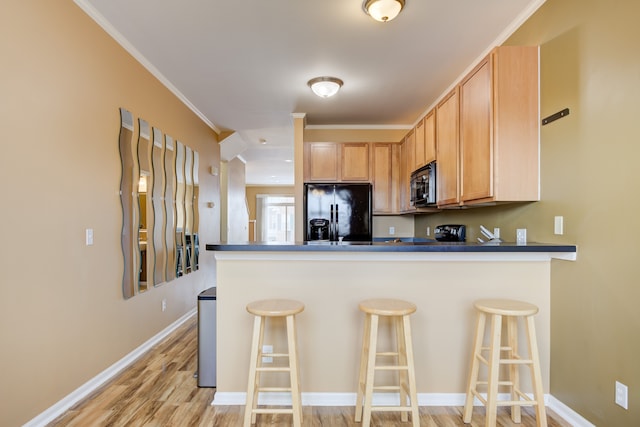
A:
(325, 87)
(383, 10)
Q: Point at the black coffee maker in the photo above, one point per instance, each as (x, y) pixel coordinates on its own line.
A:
(319, 229)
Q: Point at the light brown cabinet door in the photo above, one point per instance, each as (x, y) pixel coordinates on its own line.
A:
(321, 162)
(447, 149)
(383, 185)
(499, 128)
(336, 162)
(411, 151)
(476, 148)
(354, 162)
(430, 137)
(420, 156)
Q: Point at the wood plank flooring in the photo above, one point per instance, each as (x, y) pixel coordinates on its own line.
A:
(160, 390)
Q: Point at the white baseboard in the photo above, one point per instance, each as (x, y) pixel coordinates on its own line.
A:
(387, 399)
(93, 384)
(568, 414)
(344, 399)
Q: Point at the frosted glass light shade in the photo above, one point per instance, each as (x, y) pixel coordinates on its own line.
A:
(383, 10)
(325, 87)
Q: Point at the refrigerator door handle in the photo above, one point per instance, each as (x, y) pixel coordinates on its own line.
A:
(335, 236)
(331, 225)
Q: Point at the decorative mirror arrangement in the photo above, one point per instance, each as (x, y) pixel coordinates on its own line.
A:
(159, 196)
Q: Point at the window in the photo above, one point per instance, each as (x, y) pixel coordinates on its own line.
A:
(275, 218)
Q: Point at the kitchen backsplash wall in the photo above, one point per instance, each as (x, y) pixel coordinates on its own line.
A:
(506, 217)
(402, 226)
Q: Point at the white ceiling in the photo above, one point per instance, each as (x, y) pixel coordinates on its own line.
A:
(243, 65)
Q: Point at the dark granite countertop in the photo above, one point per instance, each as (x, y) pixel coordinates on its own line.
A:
(390, 247)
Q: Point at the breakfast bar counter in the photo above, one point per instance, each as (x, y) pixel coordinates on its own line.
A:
(554, 250)
(442, 279)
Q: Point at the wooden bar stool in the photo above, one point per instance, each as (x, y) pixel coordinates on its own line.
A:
(399, 312)
(495, 354)
(270, 309)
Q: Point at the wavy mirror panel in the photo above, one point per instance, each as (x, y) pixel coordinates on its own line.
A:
(159, 197)
(188, 210)
(196, 217)
(169, 203)
(180, 211)
(145, 257)
(125, 146)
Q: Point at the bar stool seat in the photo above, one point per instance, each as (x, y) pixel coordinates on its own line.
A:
(262, 310)
(497, 353)
(398, 311)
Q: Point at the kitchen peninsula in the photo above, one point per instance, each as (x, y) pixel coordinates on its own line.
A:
(442, 279)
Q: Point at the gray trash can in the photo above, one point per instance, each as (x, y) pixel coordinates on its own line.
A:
(207, 338)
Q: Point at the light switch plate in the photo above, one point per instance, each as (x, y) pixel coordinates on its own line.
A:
(622, 395)
(88, 235)
(558, 225)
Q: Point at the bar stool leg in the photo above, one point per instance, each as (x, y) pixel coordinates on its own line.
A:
(363, 367)
(514, 369)
(494, 370)
(536, 374)
(411, 373)
(475, 365)
(402, 361)
(252, 390)
(294, 371)
(371, 362)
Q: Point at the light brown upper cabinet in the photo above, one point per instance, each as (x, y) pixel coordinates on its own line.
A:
(321, 160)
(447, 145)
(425, 144)
(429, 137)
(499, 131)
(385, 177)
(410, 142)
(336, 162)
(407, 163)
(354, 161)
(419, 157)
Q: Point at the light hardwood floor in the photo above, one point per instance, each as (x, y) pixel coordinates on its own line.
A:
(160, 390)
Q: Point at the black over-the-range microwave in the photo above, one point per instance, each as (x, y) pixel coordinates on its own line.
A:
(423, 186)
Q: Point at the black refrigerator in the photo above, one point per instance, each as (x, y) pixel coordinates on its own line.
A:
(335, 212)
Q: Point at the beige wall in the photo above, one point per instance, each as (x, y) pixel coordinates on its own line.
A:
(63, 318)
(590, 64)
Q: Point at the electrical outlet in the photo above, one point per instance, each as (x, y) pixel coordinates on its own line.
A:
(558, 225)
(428, 231)
(267, 349)
(521, 236)
(496, 232)
(164, 304)
(622, 395)
(392, 231)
